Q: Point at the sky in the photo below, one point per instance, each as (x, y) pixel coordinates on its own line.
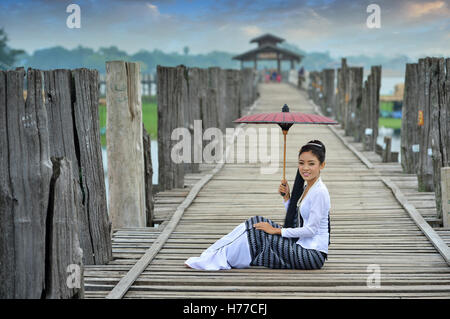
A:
(407, 27)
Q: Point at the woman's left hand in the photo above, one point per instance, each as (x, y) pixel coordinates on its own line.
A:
(265, 227)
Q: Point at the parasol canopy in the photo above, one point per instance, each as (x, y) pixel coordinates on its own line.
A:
(285, 120)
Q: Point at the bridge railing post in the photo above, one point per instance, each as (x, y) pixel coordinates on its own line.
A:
(125, 145)
(328, 92)
(409, 134)
(445, 196)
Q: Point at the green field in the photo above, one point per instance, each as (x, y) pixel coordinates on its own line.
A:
(149, 117)
(386, 106)
(390, 122)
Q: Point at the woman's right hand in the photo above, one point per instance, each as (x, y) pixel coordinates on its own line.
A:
(284, 188)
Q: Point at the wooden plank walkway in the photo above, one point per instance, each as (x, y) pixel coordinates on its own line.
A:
(369, 227)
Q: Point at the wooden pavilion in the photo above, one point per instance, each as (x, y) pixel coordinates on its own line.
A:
(268, 49)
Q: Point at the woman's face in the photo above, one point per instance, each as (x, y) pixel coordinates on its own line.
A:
(309, 166)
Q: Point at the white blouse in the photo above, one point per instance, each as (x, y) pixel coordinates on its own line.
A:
(314, 208)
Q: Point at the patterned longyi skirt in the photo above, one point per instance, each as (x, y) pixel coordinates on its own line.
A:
(274, 251)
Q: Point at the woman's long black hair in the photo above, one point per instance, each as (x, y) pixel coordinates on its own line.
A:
(297, 191)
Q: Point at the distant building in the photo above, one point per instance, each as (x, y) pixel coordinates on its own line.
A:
(268, 49)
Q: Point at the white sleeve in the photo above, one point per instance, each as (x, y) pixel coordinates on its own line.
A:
(286, 203)
(311, 226)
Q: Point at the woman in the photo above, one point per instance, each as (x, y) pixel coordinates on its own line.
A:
(303, 241)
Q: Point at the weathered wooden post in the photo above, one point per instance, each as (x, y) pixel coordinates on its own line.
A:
(222, 99)
(374, 104)
(445, 186)
(311, 87)
(247, 88)
(342, 96)
(86, 120)
(148, 171)
(64, 257)
(321, 92)
(409, 139)
(217, 82)
(328, 91)
(355, 76)
(171, 87)
(75, 134)
(440, 126)
(386, 157)
(365, 131)
(25, 176)
(58, 209)
(426, 67)
(232, 97)
(211, 115)
(124, 145)
(318, 92)
(193, 113)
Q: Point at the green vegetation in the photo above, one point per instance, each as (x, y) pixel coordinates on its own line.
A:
(390, 122)
(7, 55)
(149, 117)
(386, 106)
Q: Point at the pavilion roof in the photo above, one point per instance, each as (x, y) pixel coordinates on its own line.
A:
(267, 37)
(268, 48)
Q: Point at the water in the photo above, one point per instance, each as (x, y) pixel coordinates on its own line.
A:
(396, 139)
(154, 156)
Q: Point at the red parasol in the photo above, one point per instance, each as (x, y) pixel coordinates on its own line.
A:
(285, 120)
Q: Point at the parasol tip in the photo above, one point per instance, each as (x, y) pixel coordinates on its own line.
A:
(285, 108)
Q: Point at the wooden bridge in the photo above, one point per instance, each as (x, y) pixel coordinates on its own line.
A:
(376, 228)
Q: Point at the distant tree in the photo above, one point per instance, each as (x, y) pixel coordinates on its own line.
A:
(113, 53)
(7, 55)
(186, 50)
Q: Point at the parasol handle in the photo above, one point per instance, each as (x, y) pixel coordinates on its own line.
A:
(284, 159)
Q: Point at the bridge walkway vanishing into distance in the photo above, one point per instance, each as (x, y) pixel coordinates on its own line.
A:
(374, 228)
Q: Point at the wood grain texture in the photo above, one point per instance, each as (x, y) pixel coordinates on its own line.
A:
(26, 173)
(425, 168)
(88, 146)
(148, 171)
(63, 249)
(410, 158)
(124, 145)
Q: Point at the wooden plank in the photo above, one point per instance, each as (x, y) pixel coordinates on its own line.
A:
(437, 242)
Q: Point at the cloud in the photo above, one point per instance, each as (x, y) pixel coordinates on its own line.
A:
(416, 10)
(153, 9)
(251, 30)
(407, 26)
